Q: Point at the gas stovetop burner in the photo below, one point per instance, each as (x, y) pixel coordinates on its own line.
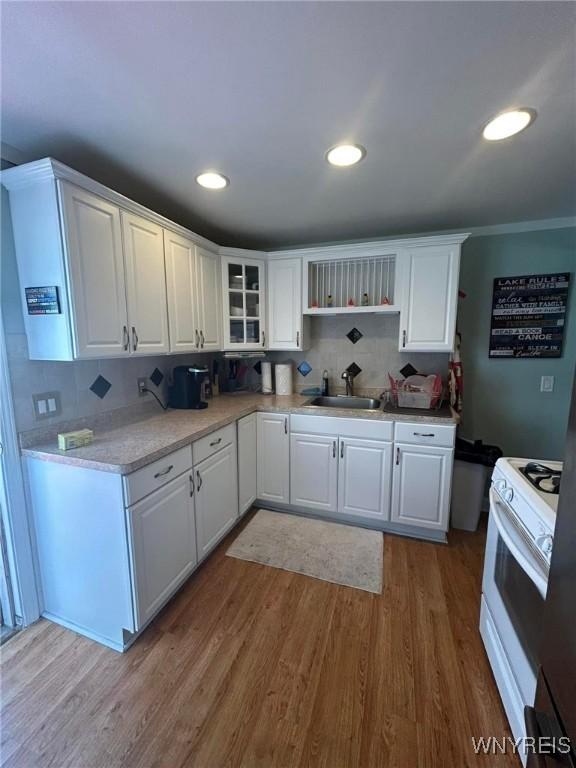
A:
(542, 477)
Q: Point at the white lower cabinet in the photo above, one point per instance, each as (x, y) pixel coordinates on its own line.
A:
(364, 478)
(273, 461)
(246, 462)
(421, 486)
(314, 472)
(163, 542)
(216, 481)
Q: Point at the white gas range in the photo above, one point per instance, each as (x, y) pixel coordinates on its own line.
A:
(523, 504)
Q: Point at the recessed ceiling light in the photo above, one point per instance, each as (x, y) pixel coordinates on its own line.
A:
(345, 154)
(508, 124)
(212, 180)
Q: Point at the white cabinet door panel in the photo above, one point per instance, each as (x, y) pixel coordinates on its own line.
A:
(421, 486)
(93, 237)
(285, 304)
(216, 498)
(314, 472)
(145, 285)
(247, 452)
(365, 478)
(273, 465)
(430, 299)
(163, 540)
(181, 291)
(208, 293)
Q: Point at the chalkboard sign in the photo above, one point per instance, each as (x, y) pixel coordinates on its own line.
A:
(529, 315)
(43, 301)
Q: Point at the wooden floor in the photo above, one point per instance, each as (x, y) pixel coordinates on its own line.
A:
(257, 667)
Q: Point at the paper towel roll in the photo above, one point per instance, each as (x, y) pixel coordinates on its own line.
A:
(266, 378)
(283, 373)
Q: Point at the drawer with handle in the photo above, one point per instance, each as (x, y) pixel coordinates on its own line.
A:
(142, 482)
(425, 434)
(213, 442)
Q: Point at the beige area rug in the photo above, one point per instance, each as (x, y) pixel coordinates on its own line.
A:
(332, 552)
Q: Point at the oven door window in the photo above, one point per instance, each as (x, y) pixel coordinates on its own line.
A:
(524, 603)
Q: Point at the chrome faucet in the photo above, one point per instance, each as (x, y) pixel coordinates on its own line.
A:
(349, 379)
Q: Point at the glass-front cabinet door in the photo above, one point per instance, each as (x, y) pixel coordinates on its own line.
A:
(244, 303)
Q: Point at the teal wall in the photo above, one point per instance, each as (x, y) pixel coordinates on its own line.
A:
(503, 404)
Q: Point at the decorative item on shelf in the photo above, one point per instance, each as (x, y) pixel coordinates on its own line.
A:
(329, 300)
(350, 302)
(365, 300)
(314, 304)
(385, 300)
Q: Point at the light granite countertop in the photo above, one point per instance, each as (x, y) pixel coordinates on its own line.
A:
(127, 448)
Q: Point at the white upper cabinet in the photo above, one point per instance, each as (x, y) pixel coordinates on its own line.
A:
(145, 285)
(243, 300)
(429, 298)
(284, 284)
(181, 289)
(93, 237)
(208, 302)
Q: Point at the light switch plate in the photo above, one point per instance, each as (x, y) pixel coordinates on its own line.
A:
(547, 384)
(46, 405)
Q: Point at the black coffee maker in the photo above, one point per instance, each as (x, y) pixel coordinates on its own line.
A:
(189, 386)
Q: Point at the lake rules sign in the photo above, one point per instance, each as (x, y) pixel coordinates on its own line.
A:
(529, 315)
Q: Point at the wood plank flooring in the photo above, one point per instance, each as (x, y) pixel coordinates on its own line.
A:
(256, 667)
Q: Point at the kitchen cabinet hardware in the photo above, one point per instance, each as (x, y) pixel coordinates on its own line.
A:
(201, 339)
(297, 338)
(197, 338)
(191, 479)
(403, 338)
(286, 425)
(263, 338)
(397, 456)
(134, 339)
(424, 434)
(164, 472)
(334, 449)
(342, 449)
(198, 480)
(126, 337)
(215, 442)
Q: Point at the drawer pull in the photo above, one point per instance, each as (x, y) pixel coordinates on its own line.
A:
(424, 434)
(164, 472)
(215, 442)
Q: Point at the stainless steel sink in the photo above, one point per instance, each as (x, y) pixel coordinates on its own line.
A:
(343, 401)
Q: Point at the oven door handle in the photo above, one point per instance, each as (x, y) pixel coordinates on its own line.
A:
(513, 540)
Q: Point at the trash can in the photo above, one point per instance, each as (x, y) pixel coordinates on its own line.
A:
(473, 462)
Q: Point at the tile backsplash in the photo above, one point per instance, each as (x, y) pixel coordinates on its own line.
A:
(369, 341)
(73, 380)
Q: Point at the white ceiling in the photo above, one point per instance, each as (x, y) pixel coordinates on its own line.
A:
(142, 96)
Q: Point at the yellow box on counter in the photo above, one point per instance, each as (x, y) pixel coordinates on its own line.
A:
(77, 439)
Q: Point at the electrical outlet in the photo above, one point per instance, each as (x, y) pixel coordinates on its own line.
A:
(547, 384)
(142, 386)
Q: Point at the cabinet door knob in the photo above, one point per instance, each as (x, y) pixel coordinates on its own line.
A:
(134, 339)
(126, 337)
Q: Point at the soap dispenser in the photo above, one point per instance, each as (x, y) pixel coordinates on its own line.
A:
(325, 383)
